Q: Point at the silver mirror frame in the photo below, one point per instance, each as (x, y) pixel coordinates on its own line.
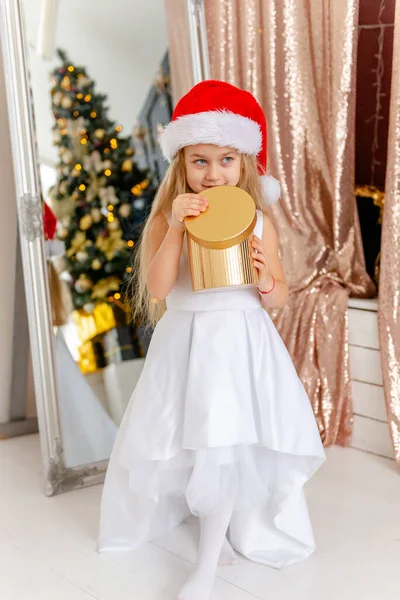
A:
(58, 478)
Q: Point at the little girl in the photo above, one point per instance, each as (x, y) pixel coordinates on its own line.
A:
(219, 425)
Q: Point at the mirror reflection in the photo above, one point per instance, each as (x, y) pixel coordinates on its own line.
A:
(100, 100)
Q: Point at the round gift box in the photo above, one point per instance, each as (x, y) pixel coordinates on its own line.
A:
(218, 240)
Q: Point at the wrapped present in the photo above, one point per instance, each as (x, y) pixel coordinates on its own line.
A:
(218, 240)
(91, 356)
(120, 344)
(90, 325)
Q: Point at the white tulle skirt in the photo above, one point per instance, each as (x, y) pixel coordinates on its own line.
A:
(218, 395)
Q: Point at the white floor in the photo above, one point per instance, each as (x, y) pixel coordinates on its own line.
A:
(48, 545)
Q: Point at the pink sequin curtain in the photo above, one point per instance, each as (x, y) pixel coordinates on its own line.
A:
(298, 58)
(179, 48)
(389, 291)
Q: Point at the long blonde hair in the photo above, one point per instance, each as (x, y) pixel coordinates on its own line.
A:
(145, 311)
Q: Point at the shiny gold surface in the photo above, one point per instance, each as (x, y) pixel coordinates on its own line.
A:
(220, 268)
(218, 240)
(229, 219)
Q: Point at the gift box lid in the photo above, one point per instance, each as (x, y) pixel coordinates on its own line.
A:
(229, 219)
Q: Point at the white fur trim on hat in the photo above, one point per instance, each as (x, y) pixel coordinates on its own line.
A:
(271, 189)
(221, 128)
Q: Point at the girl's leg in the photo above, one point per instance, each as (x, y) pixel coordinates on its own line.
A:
(228, 555)
(212, 536)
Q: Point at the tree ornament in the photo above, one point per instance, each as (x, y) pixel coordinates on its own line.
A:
(96, 264)
(63, 233)
(82, 256)
(113, 225)
(125, 210)
(96, 215)
(127, 165)
(66, 102)
(83, 284)
(99, 133)
(86, 222)
(89, 307)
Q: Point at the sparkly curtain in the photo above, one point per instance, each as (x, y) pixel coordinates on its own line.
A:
(389, 290)
(179, 48)
(298, 58)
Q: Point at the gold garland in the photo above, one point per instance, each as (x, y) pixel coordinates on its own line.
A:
(370, 191)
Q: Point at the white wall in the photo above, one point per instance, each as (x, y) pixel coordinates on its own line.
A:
(120, 42)
(8, 239)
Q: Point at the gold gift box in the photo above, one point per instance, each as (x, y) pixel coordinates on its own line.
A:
(218, 240)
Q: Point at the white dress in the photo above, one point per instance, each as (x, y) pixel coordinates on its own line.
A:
(218, 392)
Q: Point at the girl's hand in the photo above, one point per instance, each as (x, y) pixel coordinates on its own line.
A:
(260, 262)
(186, 205)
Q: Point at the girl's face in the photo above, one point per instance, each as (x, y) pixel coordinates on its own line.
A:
(208, 165)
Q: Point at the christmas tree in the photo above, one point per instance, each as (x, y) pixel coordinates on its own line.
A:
(101, 197)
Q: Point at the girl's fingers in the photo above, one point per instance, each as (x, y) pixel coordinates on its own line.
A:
(258, 256)
(259, 265)
(191, 212)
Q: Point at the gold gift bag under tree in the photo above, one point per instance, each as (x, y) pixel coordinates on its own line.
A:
(219, 240)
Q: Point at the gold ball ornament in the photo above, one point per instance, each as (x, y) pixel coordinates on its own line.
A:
(127, 165)
(96, 264)
(99, 133)
(113, 225)
(63, 233)
(83, 284)
(66, 102)
(125, 210)
(82, 256)
(96, 215)
(86, 222)
(89, 307)
(57, 97)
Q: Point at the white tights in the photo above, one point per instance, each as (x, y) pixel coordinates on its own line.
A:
(213, 549)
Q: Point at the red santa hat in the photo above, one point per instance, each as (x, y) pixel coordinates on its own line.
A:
(216, 112)
(49, 222)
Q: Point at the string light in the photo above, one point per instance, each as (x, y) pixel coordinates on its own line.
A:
(76, 113)
(71, 69)
(63, 132)
(79, 96)
(83, 141)
(106, 150)
(60, 121)
(130, 243)
(88, 98)
(118, 128)
(82, 187)
(107, 172)
(117, 296)
(111, 298)
(78, 167)
(80, 76)
(110, 207)
(129, 269)
(93, 114)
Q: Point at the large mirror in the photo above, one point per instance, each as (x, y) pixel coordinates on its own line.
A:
(89, 90)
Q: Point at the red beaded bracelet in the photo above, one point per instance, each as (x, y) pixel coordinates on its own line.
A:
(269, 291)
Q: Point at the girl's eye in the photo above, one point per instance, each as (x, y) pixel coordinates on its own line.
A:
(201, 161)
(228, 159)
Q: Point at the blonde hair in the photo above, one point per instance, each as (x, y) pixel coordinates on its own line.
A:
(174, 183)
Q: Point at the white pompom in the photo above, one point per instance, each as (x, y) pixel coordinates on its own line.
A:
(271, 189)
